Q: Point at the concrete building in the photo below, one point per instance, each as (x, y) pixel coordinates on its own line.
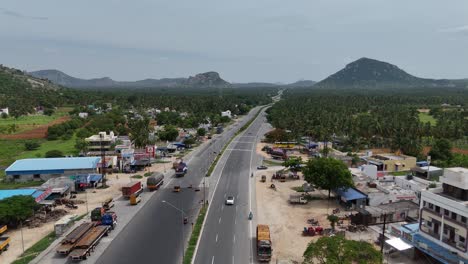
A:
(443, 220)
(391, 162)
(226, 113)
(83, 115)
(352, 198)
(4, 111)
(427, 172)
(102, 139)
(47, 168)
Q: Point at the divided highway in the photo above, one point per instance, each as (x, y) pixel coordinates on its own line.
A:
(228, 236)
(154, 234)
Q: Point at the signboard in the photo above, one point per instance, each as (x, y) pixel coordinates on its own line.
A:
(43, 195)
(150, 150)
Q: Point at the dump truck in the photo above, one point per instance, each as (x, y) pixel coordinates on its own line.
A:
(132, 188)
(108, 204)
(263, 243)
(154, 181)
(68, 243)
(88, 242)
(297, 199)
(4, 240)
(181, 169)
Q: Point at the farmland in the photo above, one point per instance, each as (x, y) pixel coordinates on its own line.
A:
(425, 117)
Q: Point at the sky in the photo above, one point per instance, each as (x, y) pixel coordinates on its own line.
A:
(243, 40)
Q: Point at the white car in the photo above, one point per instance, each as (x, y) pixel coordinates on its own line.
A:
(230, 200)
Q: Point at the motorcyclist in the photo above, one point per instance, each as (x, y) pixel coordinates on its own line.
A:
(250, 215)
(251, 175)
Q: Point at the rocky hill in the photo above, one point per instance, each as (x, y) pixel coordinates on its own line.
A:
(208, 79)
(367, 72)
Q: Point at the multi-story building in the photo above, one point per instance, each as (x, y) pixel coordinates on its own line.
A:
(443, 219)
(102, 141)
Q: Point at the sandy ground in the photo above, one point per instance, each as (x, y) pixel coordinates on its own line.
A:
(265, 155)
(287, 221)
(94, 198)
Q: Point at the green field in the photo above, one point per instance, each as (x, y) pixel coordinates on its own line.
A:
(425, 117)
(11, 150)
(25, 123)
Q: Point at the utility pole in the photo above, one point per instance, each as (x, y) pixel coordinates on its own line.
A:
(383, 236)
(204, 190)
(103, 160)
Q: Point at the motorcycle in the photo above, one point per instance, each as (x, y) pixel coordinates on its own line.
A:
(250, 216)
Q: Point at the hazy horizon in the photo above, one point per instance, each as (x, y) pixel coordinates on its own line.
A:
(244, 41)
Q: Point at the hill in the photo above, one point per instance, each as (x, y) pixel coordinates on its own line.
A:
(302, 83)
(207, 79)
(21, 92)
(367, 72)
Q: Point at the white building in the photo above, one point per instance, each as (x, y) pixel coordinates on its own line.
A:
(226, 113)
(83, 115)
(102, 140)
(4, 110)
(443, 226)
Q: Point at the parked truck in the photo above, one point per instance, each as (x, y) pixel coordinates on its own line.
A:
(132, 188)
(88, 242)
(263, 243)
(154, 181)
(297, 199)
(68, 243)
(4, 240)
(181, 169)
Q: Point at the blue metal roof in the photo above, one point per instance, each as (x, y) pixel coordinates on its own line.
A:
(51, 165)
(9, 193)
(350, 194)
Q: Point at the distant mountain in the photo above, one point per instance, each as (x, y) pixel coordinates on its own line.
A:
(302, 83)
(207, 79)
(254, 84)
(367, 72)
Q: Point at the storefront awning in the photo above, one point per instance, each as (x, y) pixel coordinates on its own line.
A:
(398, 244)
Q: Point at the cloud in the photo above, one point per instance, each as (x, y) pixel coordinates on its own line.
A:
(459, 29)
(11, 13)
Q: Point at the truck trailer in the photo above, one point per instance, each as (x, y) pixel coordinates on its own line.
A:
(297, 199)
(88, 242)
(68, 243)
(132, 188)
(263, 243)
(154, 181)
(4, 240)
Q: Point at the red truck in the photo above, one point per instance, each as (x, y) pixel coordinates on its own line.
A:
(132, 188)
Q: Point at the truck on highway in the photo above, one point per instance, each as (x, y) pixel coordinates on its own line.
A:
(68, 243)
(4, 240)
(297, 199)
(83, 248)
(154, 181)
(181, 169)
(263, 243)
(132, 188)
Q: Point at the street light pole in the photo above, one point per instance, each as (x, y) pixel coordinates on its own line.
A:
(182, 228)
(22, 240)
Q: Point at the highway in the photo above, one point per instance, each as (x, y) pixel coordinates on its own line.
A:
(156, 232)
(228, 236)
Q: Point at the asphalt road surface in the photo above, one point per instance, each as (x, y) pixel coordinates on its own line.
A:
(228, 235)
(156, 232)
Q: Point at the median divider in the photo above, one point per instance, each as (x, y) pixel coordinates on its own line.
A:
(196, 232)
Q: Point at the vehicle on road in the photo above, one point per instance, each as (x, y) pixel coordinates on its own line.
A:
(68, 243)
(230, 200)
(181, 169)
(263, 243)
(132, 188)
(155, 181)
(88, 242)
(4, 240)
(135, 199)
(297, 199)
(176, 188)
(262, 167)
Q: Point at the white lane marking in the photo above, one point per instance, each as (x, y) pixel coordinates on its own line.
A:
(212, 260)
(216, 238)
(239, 150)
(222, 207)
(235, 221)
(232, 259)
(219, 221)
(234, 239)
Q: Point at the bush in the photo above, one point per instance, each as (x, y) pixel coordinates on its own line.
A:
(49, 111)
(136, 176)
(31, 145)
(54, 154)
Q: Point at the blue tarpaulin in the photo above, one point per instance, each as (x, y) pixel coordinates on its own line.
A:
(350, 194)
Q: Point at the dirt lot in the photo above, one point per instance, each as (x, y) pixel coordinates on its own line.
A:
(294, 153)
(287, 221)
(95, 198)
(39, 131)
